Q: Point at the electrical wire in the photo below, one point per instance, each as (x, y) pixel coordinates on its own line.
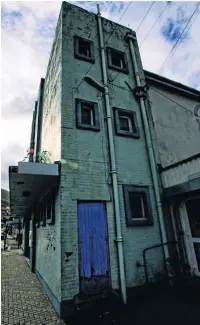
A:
(76, 88)
(185, 34)
(145, 16)
(168, 3)
(174, 46)
(187, 109)
(109, 77)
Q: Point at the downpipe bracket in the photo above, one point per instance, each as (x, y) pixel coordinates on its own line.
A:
(118, 239)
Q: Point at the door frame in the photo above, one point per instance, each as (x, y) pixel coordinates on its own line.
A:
(188, 239)
(108, 245)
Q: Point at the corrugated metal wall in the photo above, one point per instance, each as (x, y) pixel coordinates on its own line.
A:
(181, 173)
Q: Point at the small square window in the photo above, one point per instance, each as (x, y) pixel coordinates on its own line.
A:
(126, 123)
(87, 115)
(137, 206)
(117, 60)
(83, 49)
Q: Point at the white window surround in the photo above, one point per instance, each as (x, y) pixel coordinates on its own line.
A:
(189, 240)
(143, 211)
(130, 126)
(91, 114)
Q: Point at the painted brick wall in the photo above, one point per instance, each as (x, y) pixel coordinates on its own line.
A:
(48, 252)
(176, 128)
(85, 174)
(51, 119)
(132, 167)
(48, 238)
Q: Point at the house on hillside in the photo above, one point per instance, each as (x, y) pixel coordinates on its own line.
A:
(94, 212)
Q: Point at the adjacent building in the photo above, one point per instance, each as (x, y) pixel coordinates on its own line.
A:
(91, 194)
(175, 111)
(5, 203)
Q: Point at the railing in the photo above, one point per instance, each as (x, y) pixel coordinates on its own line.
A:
(177, 268)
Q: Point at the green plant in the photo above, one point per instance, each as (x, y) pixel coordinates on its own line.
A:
(42, 156)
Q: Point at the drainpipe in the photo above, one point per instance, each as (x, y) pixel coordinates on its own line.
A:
(132, 38)
(118, 239)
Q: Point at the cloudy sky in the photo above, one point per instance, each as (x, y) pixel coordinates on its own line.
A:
(27, 32)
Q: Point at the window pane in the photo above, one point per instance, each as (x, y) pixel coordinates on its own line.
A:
(197, 252)
(124, 123)
(117, 59)
(137, 205)
(49, 209)
(193, 210)
(87, 114)
(84, 48)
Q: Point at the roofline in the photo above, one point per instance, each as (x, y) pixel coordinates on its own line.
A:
(171, 85)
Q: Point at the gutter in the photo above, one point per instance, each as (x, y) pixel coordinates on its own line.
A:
(131, 39)
(119, 239)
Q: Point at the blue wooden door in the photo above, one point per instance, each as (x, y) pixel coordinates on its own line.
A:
(93, 248)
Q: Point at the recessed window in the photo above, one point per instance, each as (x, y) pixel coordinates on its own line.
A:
(43, 214)
(126, 123)
(117, 60)
(87, 115)
(50, 206)
(36, 212)
(137, 205)
(83, 49)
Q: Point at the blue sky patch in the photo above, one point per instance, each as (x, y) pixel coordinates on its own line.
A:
(9, 18)
(110, 6)
(195, 80)
(173, 27)
(46, 28)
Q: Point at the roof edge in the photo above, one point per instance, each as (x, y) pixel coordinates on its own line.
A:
(172, 85)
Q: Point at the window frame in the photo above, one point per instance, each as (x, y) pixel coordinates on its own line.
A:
(51, 201)
(43, 213)
(109, 51)
(132, 116)
(96, 121)
(37, 215)
(144, 190)
(81, 56)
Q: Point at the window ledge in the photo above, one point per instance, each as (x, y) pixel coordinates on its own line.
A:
(128, 134)
(88, 127)
(84, 58)
(113, 67)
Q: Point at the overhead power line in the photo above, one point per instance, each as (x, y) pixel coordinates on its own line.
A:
(105, 43)
(174, 46)
(136, 32)
(168, 3)
(145, 16)
(185, 35)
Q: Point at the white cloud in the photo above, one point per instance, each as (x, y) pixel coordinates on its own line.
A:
(27, 36)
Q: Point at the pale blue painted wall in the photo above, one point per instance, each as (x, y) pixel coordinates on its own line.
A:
(85, 175)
